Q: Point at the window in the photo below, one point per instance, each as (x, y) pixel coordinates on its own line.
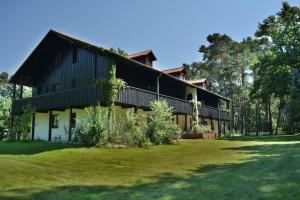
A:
(75, 54)
(189, 97)
(55, 87)
(73, 83)
(73, 120)
(54, 121)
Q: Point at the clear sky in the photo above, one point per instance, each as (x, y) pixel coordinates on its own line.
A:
(173, 29)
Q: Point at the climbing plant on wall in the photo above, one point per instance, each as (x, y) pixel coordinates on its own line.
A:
(196, 105)
(111, 86)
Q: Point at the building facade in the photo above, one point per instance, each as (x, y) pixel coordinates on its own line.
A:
(62, 72)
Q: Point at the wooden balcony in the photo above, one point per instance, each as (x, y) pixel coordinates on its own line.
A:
(130, 96)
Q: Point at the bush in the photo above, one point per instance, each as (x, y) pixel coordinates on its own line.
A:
(161, 128)
(201, 129)
(93, 130)
(22, 124)
(134, 129)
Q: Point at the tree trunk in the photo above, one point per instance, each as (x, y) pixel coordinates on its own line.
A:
(270, 116)
(242, 116)
(256, 117)
(279, 115)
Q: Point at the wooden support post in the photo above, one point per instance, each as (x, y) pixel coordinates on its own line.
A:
(21, 92)
(50, 126)
(177, 121)
(211, 123)
(11, 126)
(70, 126)
(14, 92)
(185, 122)
(219, 122)
(157, 86)
(32, 126)
(219, 118)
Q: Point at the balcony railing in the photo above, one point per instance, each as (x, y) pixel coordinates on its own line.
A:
(130, 96)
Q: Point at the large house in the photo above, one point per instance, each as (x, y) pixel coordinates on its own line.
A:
(62, 72)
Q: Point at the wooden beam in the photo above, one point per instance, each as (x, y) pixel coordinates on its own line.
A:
(21, 92)
(50, 126)
(32, 126)
(157, 85)
(185, 122)
(14, 91)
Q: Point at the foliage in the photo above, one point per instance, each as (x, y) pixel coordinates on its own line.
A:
(201, 128)
(119, 51)
(275, 68)
(196, 105)
(22, 124)
(161, 128)
(135, 129)
(111, 88)
(5, 104)
(93, 130)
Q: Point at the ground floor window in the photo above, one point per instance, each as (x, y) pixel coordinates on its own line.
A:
(54, 121)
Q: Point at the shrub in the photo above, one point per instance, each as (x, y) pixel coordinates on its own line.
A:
(134, 129)
(22, 124)
(93, 130)
(161, 128)
(200, 129)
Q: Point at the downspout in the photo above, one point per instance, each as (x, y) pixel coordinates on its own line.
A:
(157, 86)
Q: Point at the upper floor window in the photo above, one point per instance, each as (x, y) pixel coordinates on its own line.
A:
(55, 87)
(189, 97)
(74, 55)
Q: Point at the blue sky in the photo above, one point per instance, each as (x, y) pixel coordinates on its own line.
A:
(173, 29)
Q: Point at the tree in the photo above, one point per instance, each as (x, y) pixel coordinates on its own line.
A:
(227, 66)
(119, 51)
(5, 102)
(282, 56)
(22, 124)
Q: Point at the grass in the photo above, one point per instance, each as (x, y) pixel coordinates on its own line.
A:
(233, 168)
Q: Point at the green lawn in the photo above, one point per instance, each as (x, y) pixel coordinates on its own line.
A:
(238, 168)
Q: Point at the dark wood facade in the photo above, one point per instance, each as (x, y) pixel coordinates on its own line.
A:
(62, 72)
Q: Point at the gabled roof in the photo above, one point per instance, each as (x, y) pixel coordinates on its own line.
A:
(203, 80)
(175, 70)
(56, 35)
(143, 53)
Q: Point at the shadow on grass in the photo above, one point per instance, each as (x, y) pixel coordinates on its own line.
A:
(267, 138)
(30, 147)
(272, 173)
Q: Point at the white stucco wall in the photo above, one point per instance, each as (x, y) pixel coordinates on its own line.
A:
(41, 126)
(42, 122)
(193, 91)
